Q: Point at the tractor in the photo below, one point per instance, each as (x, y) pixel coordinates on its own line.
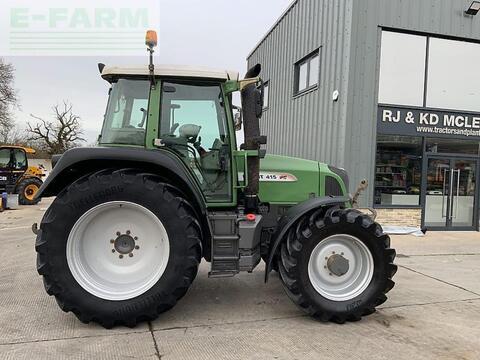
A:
(167, 186)
(16, 177)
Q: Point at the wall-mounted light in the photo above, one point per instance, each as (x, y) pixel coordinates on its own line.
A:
(474, 8)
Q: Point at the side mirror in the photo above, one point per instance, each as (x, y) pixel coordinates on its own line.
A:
(238, 118)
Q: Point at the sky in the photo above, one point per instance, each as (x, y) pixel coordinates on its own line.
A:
(213, 33)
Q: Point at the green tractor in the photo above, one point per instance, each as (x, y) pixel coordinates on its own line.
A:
(167, 187)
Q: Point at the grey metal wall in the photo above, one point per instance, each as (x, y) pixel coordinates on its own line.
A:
(342, 133)
(304, 126)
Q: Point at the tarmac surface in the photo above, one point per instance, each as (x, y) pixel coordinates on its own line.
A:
(432, 313)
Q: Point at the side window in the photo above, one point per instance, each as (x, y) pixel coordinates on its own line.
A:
(4, 158)
(266, 90)
(20, 159)
(125, 120)
(194, 125)
(199, 112)
(307, 72)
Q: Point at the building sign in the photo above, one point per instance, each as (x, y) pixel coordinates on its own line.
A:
(424, 122)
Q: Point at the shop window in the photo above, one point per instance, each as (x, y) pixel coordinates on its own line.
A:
(402, 69)
(453, 146)
(453, 75)
(266, 89)
(307, 72)
(398, 170)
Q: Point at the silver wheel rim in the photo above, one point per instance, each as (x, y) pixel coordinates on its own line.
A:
(117, 250)
(354, 281)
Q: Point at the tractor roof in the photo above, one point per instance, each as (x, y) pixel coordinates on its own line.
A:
(27, 150)
(170, 70)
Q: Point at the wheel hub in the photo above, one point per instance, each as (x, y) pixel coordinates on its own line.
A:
(126, 262)
(338, 265)
(124, 244)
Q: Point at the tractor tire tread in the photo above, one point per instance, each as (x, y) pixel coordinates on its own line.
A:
(152, 306)
(315, 222)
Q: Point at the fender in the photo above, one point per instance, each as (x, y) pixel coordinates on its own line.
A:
(295, 213)
(77, 162)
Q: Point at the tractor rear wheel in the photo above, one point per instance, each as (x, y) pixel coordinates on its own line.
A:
(118, 247)
(27, 190)
(337, 265)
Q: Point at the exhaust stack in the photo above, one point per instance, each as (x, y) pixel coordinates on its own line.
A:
(252, 105)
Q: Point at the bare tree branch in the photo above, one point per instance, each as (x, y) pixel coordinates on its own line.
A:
(8, 97)
(59, 135)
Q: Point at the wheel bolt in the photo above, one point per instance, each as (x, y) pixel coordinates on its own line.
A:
(112, 241)
(330, 274)
(120, 256)
(137, 247)
(128, 232)
(333, 252)
(325, 266)
(113, 250)
(131, 254)
(342, 254)
(118, 233)
(135, 238)
(326, 258)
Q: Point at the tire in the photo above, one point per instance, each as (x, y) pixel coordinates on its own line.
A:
(27, 190)
(306, 273)
(148, 203)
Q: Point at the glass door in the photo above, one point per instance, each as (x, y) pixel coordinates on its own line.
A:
(463, 186)
(450, 193)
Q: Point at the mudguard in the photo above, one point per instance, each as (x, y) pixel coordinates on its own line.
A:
(78, 162)
(292, 215)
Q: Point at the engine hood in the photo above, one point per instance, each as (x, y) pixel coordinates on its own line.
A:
(287, 180)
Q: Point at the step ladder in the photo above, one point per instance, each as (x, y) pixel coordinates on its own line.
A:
(225, 245)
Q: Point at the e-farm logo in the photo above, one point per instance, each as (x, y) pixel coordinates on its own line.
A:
(102, 27)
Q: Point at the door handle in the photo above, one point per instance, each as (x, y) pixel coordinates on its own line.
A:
(457, 194)
(444, 196)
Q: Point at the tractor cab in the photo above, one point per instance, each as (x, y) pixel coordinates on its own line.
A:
(186, 112)
(16, 177)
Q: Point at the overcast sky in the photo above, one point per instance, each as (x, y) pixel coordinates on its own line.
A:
(215, 33)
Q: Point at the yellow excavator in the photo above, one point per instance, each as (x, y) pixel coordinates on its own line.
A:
(16, 177)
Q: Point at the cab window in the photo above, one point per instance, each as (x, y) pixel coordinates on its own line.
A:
(19, 159)
(5, 158)
(126, 116)
(194, 125)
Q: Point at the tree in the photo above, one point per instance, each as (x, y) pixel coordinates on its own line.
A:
(59, 135)
(8, 99)
(11, 134)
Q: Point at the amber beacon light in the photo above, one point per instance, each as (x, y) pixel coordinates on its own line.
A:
(151, 38)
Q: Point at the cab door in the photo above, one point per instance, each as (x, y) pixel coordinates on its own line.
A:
(194, 124)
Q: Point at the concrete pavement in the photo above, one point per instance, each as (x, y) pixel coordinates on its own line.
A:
(432, 313)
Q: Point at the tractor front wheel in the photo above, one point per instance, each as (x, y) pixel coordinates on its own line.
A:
(27, 190)
(337, 265)
(118, 247)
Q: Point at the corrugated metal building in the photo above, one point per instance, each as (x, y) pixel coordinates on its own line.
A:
(380, 88)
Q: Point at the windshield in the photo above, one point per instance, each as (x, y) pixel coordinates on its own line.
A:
(126, 116)
(13, 159)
